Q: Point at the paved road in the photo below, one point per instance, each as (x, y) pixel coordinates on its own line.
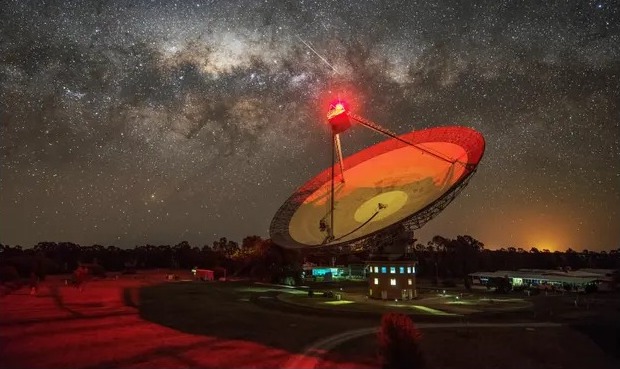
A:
(312, 355)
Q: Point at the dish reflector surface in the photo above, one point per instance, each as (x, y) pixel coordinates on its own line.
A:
(384, 184)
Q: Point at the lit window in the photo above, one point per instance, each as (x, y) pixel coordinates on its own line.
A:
(392, 269)
(408, 270)
(402, 270)
(383, 270)
(409, 282)
(376, 280)
(370, 291)
(376, 269)
(393, 281)
(413, 270)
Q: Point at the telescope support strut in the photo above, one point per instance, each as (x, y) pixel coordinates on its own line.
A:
(340, 158)
(331, 212)
(377, 128)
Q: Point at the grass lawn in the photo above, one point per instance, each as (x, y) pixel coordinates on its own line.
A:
(377, 307)
(223, 310)
(431, 306)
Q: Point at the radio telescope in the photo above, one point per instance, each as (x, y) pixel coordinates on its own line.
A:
(402, 182)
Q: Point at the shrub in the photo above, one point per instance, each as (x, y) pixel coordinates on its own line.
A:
(219, 272)
(591, 288)
(501, 284)
(467, 283)
(399, 343)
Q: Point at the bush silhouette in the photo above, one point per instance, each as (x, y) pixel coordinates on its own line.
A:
(399, 343)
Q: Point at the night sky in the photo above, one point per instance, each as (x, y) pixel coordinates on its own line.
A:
(138, 122)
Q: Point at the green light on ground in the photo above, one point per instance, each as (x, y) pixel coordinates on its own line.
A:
(501, 300)
(429, 310)
(255, 289)
(295, 292)
(339, 302)
(265, 289)
(425, 309)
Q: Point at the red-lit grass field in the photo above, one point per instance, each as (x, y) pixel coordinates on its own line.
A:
(149, 323)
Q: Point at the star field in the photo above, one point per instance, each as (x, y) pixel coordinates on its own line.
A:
(135, 122)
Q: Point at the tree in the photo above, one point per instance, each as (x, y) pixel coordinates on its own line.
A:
(39, 268)
(184, 256)
(249, 246)
(468, 250)
(441, 243)
(471, 242)
(225, 247)
(399, 343)
(432, 250)
(501, 284)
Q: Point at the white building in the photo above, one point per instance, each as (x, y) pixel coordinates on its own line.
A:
(550, 279)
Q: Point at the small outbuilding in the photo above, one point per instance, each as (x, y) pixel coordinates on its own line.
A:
(203, 274)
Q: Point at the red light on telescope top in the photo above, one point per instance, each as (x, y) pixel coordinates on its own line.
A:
(338, 117)
(336, 109)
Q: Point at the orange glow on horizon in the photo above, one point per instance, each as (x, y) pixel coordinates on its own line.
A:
(543, 245)
(521, 227)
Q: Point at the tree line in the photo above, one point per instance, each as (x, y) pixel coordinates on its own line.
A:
(254, 257)
(445, 258)
(441, 258)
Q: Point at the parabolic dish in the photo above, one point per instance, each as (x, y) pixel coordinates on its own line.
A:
(386, 184)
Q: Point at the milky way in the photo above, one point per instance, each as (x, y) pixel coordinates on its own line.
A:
(138, 122)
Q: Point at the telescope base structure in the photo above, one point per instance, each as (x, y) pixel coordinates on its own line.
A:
(391, 279)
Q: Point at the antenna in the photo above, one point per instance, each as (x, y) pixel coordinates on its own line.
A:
(404, 181)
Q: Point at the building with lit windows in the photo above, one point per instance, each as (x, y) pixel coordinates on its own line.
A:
(317, 273)
(391, 279)
(550, 279)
